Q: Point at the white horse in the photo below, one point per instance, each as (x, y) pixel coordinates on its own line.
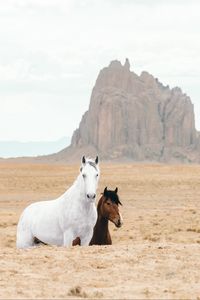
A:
(59, 222)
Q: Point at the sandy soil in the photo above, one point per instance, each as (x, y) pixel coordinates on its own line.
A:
(156, 255)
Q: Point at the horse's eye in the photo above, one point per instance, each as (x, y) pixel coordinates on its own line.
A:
(84, 176)
(108, 203)
(97, 175)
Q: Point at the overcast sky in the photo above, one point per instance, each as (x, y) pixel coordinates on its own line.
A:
(52, 50)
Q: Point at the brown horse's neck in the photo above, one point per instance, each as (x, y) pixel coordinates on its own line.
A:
(101, 235)
(102, 224)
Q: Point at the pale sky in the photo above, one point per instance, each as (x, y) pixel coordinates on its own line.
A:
(51, 52)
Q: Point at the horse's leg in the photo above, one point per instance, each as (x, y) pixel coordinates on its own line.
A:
(68, 238)
(76, 242)
(25, 239)
(85, 241)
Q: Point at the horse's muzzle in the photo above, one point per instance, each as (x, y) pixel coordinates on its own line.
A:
(91, 196)
(118, 223)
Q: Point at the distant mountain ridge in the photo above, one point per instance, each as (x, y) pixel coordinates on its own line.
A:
(29, 149)
(135, 118)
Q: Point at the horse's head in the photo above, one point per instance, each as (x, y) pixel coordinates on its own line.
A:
(90, 177)
(109, 207)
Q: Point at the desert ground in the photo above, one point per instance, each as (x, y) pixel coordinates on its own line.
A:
(155, 255)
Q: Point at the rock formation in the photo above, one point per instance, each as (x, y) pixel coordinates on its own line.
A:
(137, 118)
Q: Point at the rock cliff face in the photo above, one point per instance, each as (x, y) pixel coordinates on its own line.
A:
(138, 118)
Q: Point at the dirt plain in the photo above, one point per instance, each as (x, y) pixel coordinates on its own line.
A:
(156, 255)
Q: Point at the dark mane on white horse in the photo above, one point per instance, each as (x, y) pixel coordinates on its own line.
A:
(93, 164)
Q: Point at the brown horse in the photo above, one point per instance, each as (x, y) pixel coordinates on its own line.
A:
(108, 210)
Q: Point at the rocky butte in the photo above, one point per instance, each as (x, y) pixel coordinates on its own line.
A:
(137, 118)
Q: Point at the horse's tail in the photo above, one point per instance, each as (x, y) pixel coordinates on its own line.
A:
(38, 242)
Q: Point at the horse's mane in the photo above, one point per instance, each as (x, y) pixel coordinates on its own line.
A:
(112, 196)
(92, 163)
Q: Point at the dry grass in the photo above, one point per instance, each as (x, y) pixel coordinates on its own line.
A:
(155, 254)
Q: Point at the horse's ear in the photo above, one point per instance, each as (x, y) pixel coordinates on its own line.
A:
(105, 191)
(97, 160)
(116, 190)
(83, 160)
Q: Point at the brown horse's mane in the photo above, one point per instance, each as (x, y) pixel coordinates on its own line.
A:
(112, 196)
